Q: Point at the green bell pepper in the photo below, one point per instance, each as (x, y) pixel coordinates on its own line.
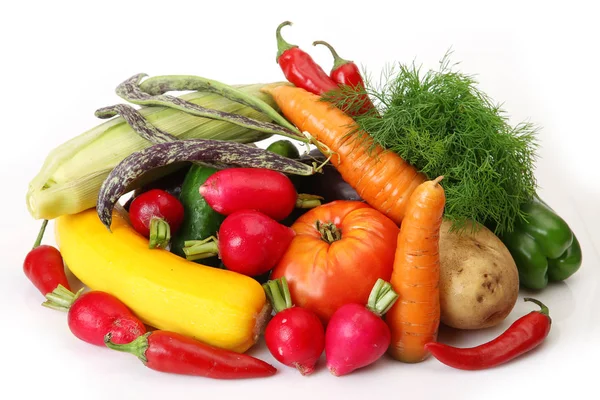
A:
(544, 247)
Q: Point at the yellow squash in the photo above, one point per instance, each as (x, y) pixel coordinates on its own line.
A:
(219, 307)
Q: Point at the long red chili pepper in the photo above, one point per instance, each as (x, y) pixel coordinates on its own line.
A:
(44, 265)
(299, 68)
(346, 72)
(522, 336)
(172, 352)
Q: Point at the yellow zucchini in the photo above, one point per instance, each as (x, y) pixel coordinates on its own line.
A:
(216, 306)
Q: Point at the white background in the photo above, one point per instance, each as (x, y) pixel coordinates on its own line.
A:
(60, 61)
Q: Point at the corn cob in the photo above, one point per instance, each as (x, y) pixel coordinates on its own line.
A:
(71, 176)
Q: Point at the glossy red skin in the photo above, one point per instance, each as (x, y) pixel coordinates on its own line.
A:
(355, 338)
(175, 353)
(45, 268)
(296, 338)
(348, 74)
(523, 335)
(251, 243)
(155, 203)
(264, 190)
(300, 69)
(96, 313)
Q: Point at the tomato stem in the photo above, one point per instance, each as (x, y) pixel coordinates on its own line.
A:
(160, 233)
(382, 297)
(40, 235)
(61, 298)
(200, 249)
(329, 232)
(308, 201)
(278, 293)
(137, 347)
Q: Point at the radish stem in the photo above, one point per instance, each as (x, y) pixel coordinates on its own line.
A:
(200, 249)
(40, 235)
(278, 293)
(382, 297)
(308, 201)
(160, 233)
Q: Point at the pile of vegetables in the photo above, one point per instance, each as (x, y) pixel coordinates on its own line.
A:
(414, 206)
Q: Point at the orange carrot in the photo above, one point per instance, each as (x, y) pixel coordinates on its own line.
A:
(381, 178)
(414, 319)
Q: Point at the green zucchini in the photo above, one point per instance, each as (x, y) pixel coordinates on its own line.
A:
(200, 221)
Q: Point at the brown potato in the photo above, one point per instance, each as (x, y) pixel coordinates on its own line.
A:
(479, 280)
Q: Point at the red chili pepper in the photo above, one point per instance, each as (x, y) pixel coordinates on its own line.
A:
(299, 68)
(44, 266)
(522, 336)
(172, 352)
(346, 72)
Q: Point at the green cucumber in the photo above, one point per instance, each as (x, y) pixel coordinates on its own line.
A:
(200, 221)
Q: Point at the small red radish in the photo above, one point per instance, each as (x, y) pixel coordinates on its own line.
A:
(44, 265)
(270, 192)
(156, 214)
(94, 314)
(356, 335)
(295, 336)
(249, 242)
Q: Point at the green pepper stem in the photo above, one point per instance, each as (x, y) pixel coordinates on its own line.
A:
(543, 309)
(61, 298)
(137, 347)
(308, 201)
(200, 249)
(278, 293)
(160, 233)
(382, 297)
(40, 235)
(337, 60)
(282, 45)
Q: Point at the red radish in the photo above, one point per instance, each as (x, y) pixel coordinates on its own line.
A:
(270, 192)
(44, 265)
(94, 314)
(295, 336)
(356, 335)
(156, 214)
(249, 242)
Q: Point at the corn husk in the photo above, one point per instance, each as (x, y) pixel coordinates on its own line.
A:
(72, 174)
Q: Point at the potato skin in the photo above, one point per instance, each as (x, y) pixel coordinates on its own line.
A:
(479, 280)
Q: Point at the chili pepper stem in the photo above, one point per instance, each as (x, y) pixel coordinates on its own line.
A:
(337, 60)
(61, 298)
(308, 201)
(40, 235)
(160, 233)
(200, 249)
(137, 347)
(543, 308)
(278, 293)
(282, 45)
(382, 297)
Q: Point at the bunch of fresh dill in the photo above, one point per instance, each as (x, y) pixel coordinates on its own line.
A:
(442, 124)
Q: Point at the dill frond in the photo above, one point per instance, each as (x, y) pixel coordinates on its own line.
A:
(443, 124)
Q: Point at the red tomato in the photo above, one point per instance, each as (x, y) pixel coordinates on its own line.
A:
(339, 251)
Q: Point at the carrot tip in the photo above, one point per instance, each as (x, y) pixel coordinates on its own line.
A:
(438, 179)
